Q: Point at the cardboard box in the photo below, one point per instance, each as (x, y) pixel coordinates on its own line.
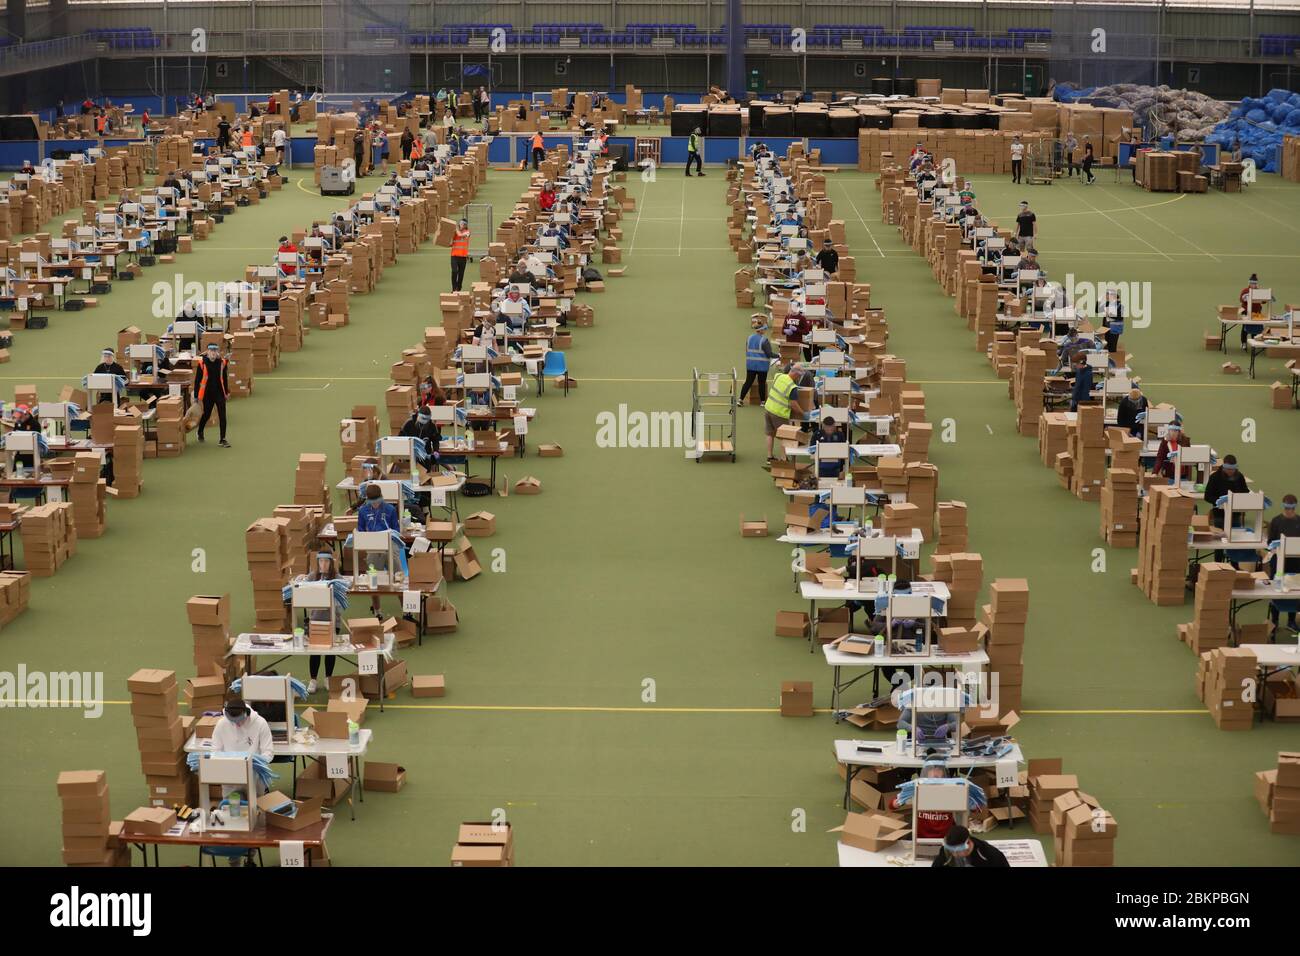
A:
(208, 609)
(428, 685)
(528, 485)
(796, 698)
(871, 831)
(384, 777)
(82, 783)
(328, 724)
(151, 821)
(791, 624)
(753, 527)
(306, 812)
(481, 524)
(551, 450)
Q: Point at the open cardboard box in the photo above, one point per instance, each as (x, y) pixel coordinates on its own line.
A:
(753, 527)
(871, 831)
(384, 777)
(307, 812)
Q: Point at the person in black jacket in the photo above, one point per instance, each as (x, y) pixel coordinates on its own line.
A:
(961, 849)
(109, 365)
(828, 260)
(421, 425)
(1130, 407)
(211, 387)
(1222, 480)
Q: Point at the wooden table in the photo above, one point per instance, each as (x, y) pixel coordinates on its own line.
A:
(312, 838)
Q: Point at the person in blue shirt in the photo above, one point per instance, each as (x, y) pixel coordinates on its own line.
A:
(377, 515)
(828, 430)
(1081, 390)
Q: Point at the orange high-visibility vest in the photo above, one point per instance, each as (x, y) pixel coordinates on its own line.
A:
(203, 378)
(460, 243)
(537, 141)
(417, 149)
(247, 138)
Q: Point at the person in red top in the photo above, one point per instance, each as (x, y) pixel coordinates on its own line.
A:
(145, 120)
(288, 245)
(796, 328)
(930, 824)
(547, 198)
(1250, 306)
(1174, 437)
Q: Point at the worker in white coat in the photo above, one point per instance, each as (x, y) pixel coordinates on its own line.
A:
(241, 729)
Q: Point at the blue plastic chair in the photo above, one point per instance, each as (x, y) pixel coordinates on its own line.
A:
(227, 853)
(556, 365)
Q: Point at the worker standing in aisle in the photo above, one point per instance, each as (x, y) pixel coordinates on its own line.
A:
(693, 153)
(539, 150)
(1017, 159)
(459, 255)
(758, 357)
(211, 387)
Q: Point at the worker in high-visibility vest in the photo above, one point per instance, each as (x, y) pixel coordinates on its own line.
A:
(459, 254)
(693, 153)
(539, 150)
(211, 388)
(246, 139)
(780, 398)
(758, 358)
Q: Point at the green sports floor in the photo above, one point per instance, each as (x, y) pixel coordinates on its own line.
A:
(629, 566)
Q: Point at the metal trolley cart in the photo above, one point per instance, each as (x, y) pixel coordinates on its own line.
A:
(714, 397)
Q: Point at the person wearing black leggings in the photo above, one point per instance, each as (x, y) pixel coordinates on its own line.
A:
(325, 570)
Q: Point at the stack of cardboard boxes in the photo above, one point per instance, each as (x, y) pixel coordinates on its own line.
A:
(1083, 833)
(1209, 627)
(1222, 679)
(170, 427)
(953, 533)
(15, 592)
(88, 493)
(161, 732)
(922, 493)
(1278, 793)
(239, 372)
(49, 538)
(1165, 525)
(1119, 508)
(1006, 616)
(90, 835)
(1031, 369)
(266, 543)
(309, 484)
(359, 432)
(1046, 783)
(484, 844)
(1086, 447)
(209, 617)
(963, 572)
(128, 460)
(302, 524)
(293, 315)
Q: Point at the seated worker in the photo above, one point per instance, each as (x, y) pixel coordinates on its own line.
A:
(1174, 438)
(930, 824)
(1222, 480)
(1081, 390)
(1250, 306)
(109, 365)
(828, 260)
(377, 515)
(1073, 344)
(288, 246)
(546, 199)
(1285, 524)
(930, 727)
(962, 848)
(1111, 313)
(431, 393)
(240, 729)
(25, 420)
(422, 426)
(796, 327)
(519, 313)
(1130, 407)
(830, 431)
(520, 274)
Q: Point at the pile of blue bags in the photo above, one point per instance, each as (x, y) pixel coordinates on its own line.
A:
(1259, 124)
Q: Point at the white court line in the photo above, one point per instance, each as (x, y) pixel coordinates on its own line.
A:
(681, 230)
(1172, 233)
(1275, 219)
(1121, 225)
(858, 213)
(645, 188)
